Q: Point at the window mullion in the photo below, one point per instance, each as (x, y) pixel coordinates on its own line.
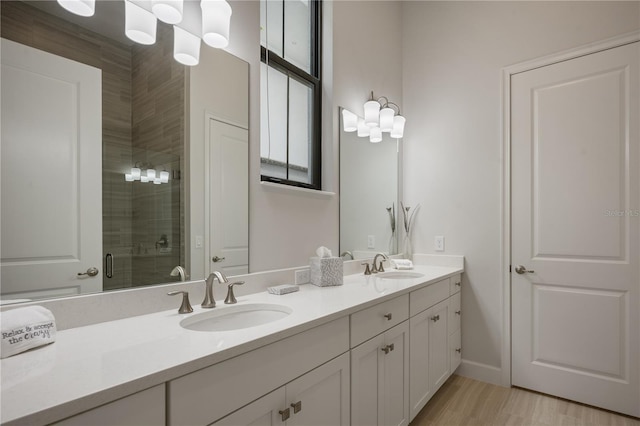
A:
(288, 133)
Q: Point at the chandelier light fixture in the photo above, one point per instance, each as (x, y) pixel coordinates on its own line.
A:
(141, 24)
(380, 116)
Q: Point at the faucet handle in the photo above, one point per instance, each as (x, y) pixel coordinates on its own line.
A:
(185, 307)
(381, 267)
(231, 298)
(367, 271)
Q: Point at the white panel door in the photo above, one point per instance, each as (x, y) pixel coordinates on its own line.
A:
(51, 174)
(576, 229)
(228, 194)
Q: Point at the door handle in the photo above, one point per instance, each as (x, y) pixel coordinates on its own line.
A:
(217, 259)
(92, 272)
(520, 269)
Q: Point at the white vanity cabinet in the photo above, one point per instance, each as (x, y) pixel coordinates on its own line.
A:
(380, 365)
(140, 409)
(320, 397)
(209, 394)
(434, 339)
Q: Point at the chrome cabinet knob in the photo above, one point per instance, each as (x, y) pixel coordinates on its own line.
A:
(520, 269)
(284, 414)
(388, 348)
(92, 272)
(297, 407)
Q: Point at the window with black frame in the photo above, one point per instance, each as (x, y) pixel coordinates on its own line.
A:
(290, 151)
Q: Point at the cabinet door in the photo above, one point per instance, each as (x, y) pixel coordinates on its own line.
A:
(396, 376)
(366, 382)
(455, 350)
(438, 345)
(419, 391)
(265, 411)
(321, 397)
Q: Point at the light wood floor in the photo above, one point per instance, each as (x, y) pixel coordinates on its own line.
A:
(463, 401)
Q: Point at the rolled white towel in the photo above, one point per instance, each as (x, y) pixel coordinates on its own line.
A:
(401, 264)
(26, 328)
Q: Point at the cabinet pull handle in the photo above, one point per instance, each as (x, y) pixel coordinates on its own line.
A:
(458, 283)
(285, 414)
(391, 347)
(458, 312)
(385, 349)
(297, 407)
(435, 318)
(459, 350)
(388, 316)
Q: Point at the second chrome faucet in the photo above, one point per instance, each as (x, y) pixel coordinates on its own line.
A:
(209, 301)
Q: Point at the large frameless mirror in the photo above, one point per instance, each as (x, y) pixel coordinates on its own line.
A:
(95, 157)
(368, 194)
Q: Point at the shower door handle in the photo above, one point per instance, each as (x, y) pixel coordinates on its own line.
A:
(109, 265)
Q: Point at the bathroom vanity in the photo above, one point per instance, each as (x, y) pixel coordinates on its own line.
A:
(384, 342)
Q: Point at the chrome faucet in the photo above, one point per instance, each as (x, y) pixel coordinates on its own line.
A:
(380, 268)
(208, 301)
(347, 253)
(179, 271)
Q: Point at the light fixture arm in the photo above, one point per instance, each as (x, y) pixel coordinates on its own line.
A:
(385, 102)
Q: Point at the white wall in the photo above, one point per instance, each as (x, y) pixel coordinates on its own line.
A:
(453, 53)
(285, 227)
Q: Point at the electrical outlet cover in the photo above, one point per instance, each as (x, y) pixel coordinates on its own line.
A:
(439, 243)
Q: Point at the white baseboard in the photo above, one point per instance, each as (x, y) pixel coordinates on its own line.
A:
(482, 372)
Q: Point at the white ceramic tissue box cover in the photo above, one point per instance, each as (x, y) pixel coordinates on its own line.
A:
(326, 271)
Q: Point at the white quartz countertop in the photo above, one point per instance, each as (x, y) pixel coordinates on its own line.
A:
(93, 365)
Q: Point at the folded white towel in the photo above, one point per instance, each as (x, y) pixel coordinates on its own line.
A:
(401, 264)
(26, 328)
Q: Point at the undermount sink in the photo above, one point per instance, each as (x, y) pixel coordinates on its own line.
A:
(400, 275)
(225, 318)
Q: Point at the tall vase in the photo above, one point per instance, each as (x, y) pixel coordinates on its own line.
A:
(407, 249)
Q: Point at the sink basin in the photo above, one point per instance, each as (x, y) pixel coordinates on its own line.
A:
(225, 318)
(400, 275)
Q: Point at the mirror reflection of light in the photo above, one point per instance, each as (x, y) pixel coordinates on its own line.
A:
(140, 24)
(79, 7)
(169, 11)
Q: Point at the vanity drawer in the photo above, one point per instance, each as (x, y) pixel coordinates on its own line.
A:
(456, 284)
(378, 318)
(142, 408)
(454, 313)
(428, 296)
(206, 395)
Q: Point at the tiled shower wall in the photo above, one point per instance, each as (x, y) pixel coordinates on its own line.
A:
(143, 77)
(158, 140)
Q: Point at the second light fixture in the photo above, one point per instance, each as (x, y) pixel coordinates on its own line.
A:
(380, 116)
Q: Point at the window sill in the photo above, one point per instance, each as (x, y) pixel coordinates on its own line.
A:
(288, 189)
